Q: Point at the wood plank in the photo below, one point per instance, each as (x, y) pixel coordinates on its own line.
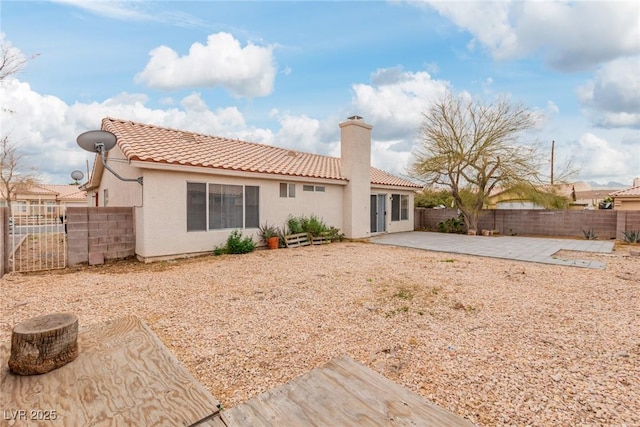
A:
(321, 240)
(123, 375)
(296, 240)
(343, 392)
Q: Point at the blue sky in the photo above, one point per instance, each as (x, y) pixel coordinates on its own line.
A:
(286, 73)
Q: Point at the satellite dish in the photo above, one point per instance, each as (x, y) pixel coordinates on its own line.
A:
(97, 141)
(77, 175)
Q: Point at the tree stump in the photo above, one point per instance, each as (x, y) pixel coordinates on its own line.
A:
(44, 343)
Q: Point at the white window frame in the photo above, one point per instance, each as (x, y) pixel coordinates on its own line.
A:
(399, 207)
(287, 190)
(207, 206)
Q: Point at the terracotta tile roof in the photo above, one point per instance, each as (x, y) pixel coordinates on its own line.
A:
(383, 178)
(60, 190)
(629, 192)
(65, 192)
(37, 189)
(149, 143)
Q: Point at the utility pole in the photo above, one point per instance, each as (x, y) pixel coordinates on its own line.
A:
(553, 144)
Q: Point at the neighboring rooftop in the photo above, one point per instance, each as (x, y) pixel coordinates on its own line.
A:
(149, 143)
(59, 191)
(629, 192)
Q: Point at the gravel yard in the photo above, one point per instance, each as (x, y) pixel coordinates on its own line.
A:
(498, 342)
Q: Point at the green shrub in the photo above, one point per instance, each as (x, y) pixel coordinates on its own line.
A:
(451, 225)
(236, 244)
(589, 234)
(312, 225)
(293, 225)
(335, 234)
(428, 198)
(631, 236)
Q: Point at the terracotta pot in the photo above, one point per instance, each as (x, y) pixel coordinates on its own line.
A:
(273, 242)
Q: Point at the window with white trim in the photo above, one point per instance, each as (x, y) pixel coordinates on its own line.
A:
(317, 188)
(287, 190)
(222, 206)
(399, 207)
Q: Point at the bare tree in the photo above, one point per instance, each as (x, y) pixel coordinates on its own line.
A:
(13, 176)
(471, 148)
(12, 61)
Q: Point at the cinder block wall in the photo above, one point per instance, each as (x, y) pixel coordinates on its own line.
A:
(627, 221)
(606, 224)
(96, 234)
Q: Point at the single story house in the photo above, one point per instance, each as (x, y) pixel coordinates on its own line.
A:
(629, 199)
(501, 198)
(197, 188)
(38, 201)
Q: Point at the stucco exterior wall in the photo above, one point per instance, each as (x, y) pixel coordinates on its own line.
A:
(403, 224)
(119, 193)
(161, 222)
(627, 204)
(355, 149)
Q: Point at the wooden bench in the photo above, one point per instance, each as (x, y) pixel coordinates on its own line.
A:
(296, 240)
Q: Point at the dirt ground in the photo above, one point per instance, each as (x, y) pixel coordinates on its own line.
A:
(498, 342)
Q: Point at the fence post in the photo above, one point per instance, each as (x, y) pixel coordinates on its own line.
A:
(621, 224)
(4, 239)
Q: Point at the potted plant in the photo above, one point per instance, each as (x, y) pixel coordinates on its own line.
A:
(269, 234)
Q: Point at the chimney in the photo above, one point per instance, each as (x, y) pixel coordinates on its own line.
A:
(636, 182)
(355, 154)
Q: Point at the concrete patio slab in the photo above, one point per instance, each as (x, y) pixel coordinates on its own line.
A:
(529, 249)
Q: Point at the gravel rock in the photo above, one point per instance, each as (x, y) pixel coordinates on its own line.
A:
(499, 342)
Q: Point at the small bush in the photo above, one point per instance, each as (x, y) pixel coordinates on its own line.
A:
(451, 225)
(589, 234)
(236, 244)
(293, 225)
(631, 236)
(312, 225)
(335, 234)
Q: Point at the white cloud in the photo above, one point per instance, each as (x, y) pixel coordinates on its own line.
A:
(135, 10)
(45, 128)
(125, 10)
(572, 35)
(599, 160)
(395, 100)
(385, 155)
(244, 71)
(298, 133)
(612, 98)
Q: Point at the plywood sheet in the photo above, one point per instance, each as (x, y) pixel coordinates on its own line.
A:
(341, 393)
(123, 376)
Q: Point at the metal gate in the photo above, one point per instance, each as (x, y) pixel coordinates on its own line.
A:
(37, 237)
